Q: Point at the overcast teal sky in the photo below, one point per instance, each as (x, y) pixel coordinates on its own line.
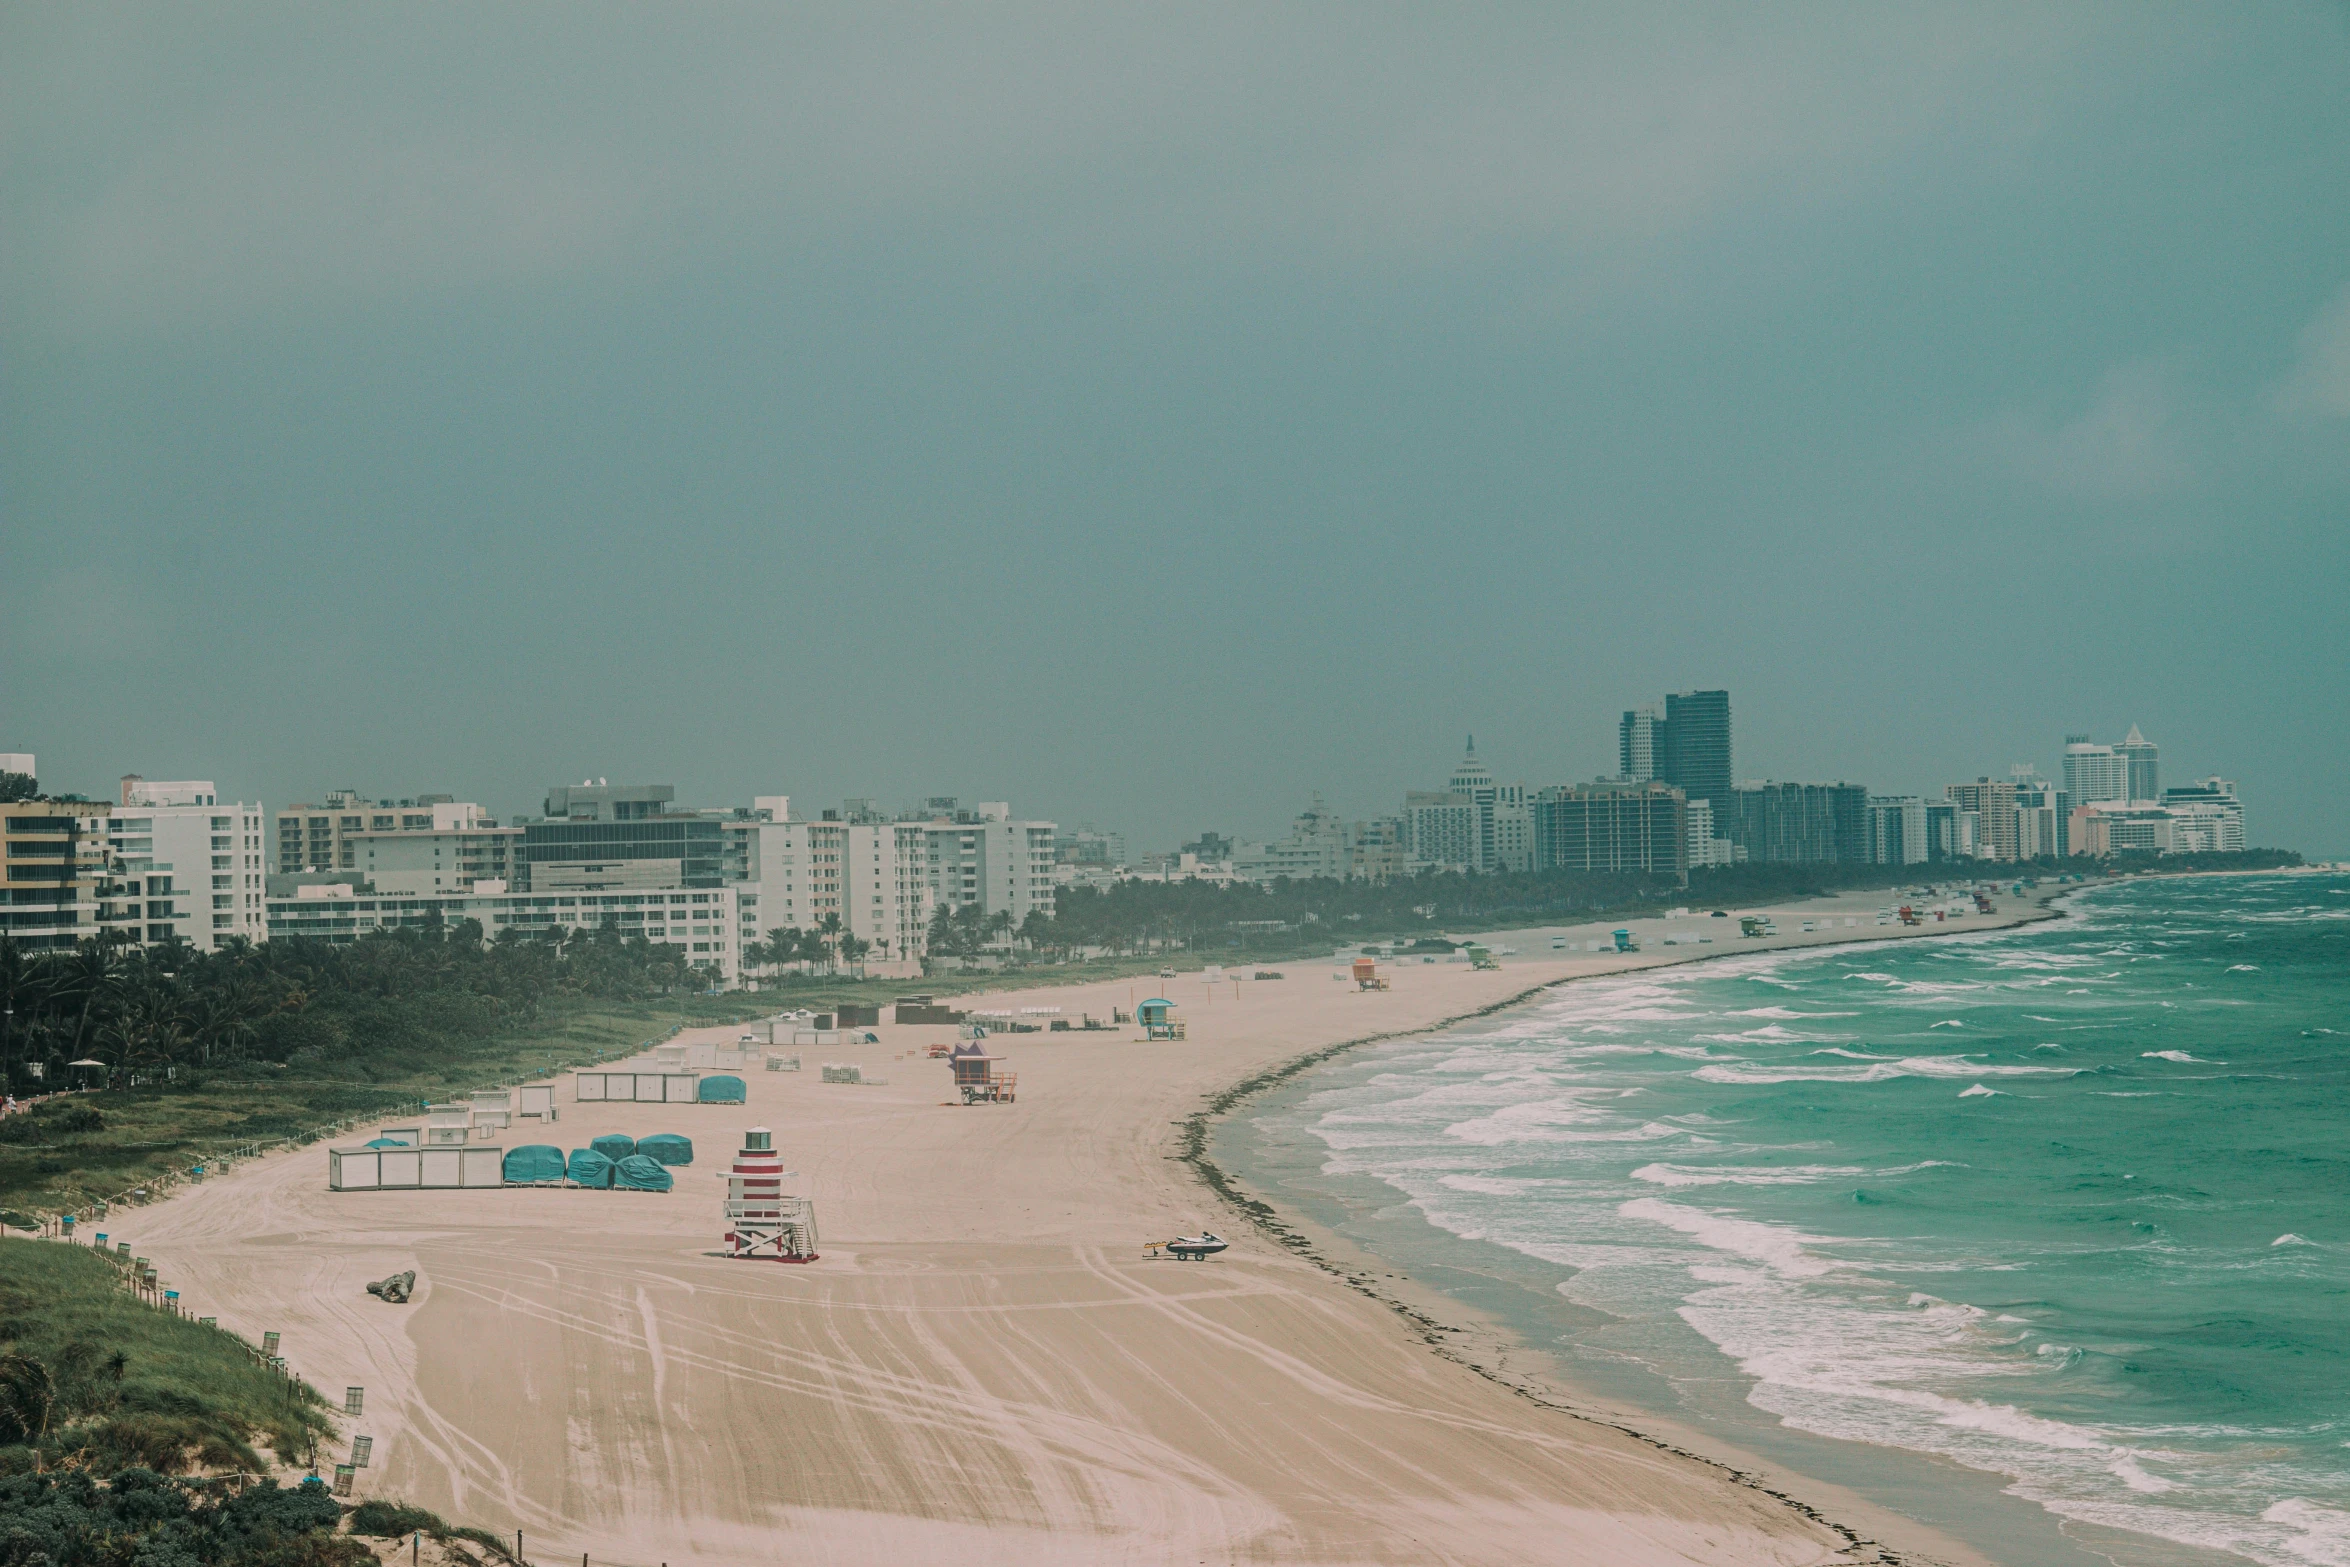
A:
(1150, 416)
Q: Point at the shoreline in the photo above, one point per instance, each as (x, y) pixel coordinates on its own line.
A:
(984, 1365)
(1318, 1244)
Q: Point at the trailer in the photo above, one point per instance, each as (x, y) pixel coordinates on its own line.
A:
(447, 1125)
(639, 1087)
(414, 1169)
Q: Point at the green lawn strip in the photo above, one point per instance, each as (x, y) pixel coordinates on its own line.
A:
(91, 1374)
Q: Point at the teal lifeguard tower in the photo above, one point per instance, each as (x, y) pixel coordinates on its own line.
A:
(1158, 1019)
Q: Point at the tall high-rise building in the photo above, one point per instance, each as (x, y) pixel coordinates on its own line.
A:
(1618, 828)
(1897, 829)
(1993, 802)
(1798, 823)
(2142, 756)
(1636, 743)
(2094, 773)
(1473, 780)
(1693, 751)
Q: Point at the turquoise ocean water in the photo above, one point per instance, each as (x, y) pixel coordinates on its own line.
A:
(2069, 1206)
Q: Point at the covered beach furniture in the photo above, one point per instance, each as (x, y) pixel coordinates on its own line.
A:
(614, 1146)
(385, 1142)
(637, 1173)
(722, 1090)
(667, 1147)
(589, 1168)
(534, 1164)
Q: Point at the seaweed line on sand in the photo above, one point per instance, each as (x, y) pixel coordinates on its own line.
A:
(1268, 1221)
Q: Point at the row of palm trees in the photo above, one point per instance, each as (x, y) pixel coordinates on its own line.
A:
(828, 942)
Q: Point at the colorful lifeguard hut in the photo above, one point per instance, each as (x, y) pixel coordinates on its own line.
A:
(1481, 957)
(1158, 1019)
(1367, 975)
(762, 1220)
(977, 1075)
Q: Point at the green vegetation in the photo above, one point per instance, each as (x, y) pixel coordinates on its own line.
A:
(95, 1378)
(2227, 860)
(397, 1521)
(202, 1054)
(68, 1519)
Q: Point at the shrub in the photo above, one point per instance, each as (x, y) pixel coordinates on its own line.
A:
(395, 1520)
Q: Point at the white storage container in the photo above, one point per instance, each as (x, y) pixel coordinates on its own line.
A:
(414, 1169)
(536, 1101)
(640, 1087)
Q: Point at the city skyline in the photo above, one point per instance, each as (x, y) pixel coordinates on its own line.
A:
(1259, 821)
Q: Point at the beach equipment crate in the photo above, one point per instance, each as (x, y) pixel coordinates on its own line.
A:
(413, 1169)
(405, 1136)
(589, 1168)
(492, 1107)
(614, 1146)
(535, 1164)
(667, 1148)
(636, 1173)
(535, 1102)
(723, 1090)
(671, 1058)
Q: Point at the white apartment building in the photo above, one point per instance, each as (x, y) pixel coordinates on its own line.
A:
(875, 875)
(2094, 773)
(311, 838)
(1513, 829)
(1442, 829)
(1318, 848)
(1707, 849)
(462, 844)
(184, 866)
(699, 923)
(985, 857)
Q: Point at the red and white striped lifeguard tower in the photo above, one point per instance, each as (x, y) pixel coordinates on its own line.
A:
(762, 1220)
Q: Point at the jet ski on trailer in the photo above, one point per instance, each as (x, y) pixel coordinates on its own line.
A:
(1191, 1248)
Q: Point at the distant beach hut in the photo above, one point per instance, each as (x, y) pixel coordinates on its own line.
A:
(589, 1168)
(723, 1090)
(666, 1147)
(614, 1146)
(535, 1164)
(637, 1173)
(1158, 1019)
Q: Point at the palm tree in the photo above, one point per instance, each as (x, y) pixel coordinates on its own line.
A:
(828, 933)
(852, 950)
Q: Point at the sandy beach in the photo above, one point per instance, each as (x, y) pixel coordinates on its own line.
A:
(985, 1367)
